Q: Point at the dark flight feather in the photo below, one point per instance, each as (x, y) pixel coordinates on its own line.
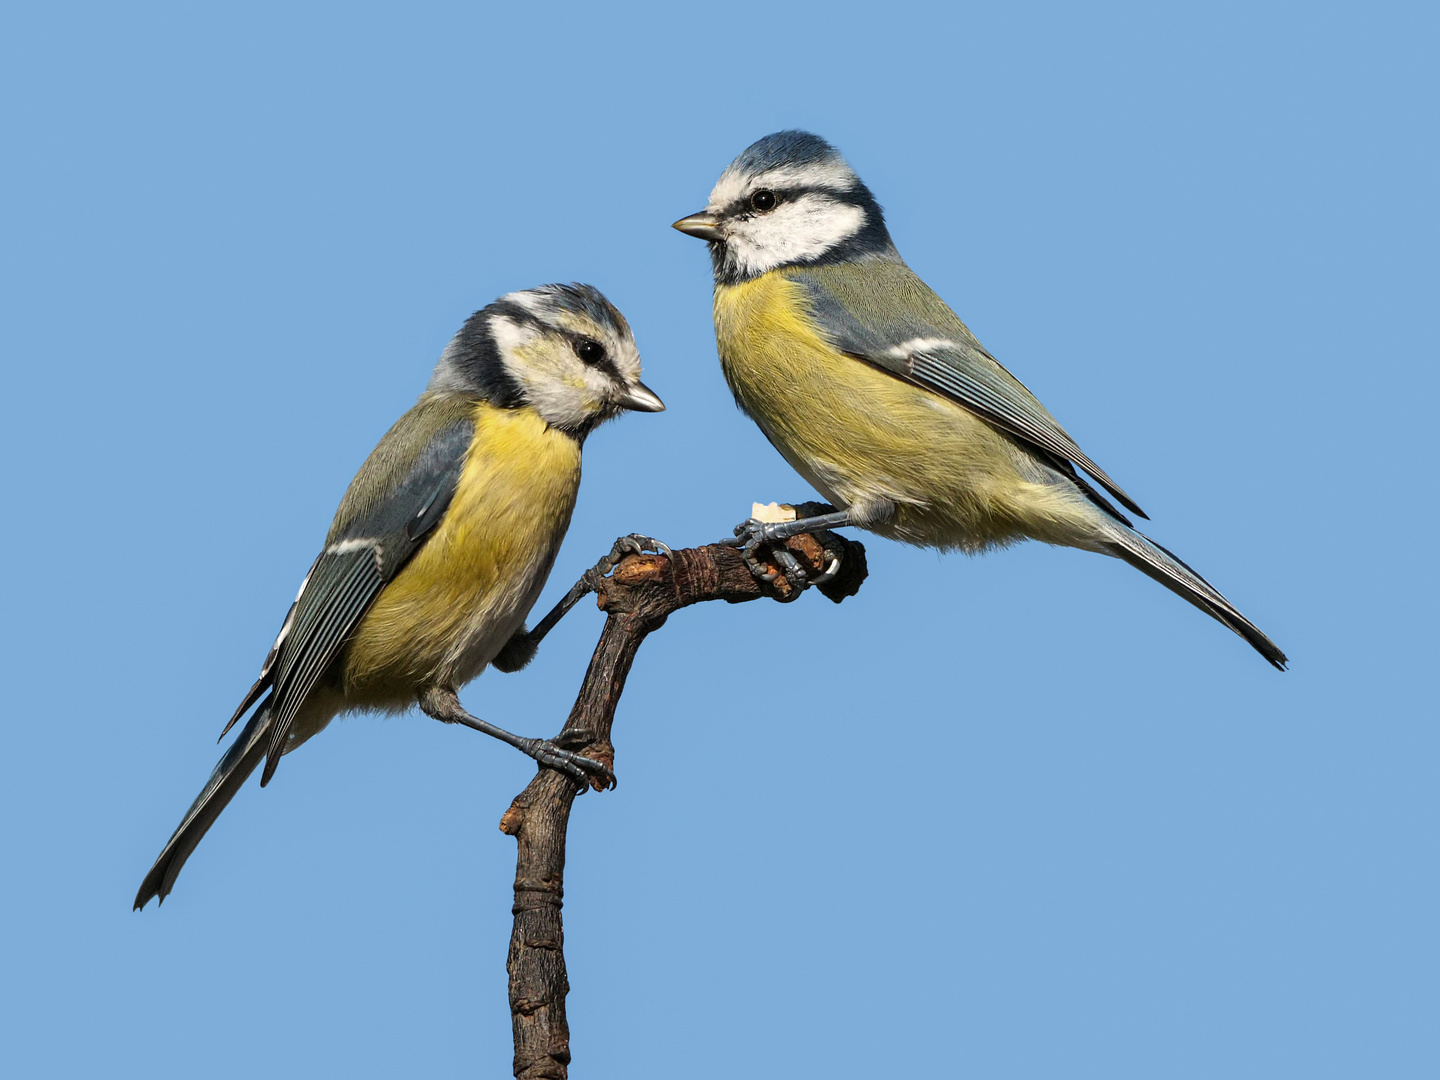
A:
(363, 555)
(233, 769)
(412, 477)
(1169, 570)
(945, 358)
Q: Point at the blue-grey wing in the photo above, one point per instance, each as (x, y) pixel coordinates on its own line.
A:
(916, 337)
(362, 554)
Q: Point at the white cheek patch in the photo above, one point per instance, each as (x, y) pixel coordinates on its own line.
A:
(799, 229)
(555, 383)
(561, 402)
(601, 387)
(554, 391)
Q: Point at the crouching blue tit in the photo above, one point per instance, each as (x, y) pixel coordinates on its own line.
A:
(442, 543)
(880, 397)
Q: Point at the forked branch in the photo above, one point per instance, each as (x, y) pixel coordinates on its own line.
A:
(637, 597)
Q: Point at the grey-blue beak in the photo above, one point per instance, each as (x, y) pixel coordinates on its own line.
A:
(641, 398)
(705, 225)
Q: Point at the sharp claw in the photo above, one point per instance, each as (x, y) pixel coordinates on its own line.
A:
(636, 544)
(758, 572)
(829, 574)
(576, 766)
(790, 567)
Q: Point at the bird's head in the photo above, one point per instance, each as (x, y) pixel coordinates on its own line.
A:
(788, 200)
(563, 350)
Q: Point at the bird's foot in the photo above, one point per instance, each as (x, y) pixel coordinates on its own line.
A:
(583, 770)
(752, 535)
(443, 704)
(637, 544)
(783, 541)
(631, 544)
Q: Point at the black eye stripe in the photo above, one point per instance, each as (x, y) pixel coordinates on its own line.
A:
(852, 197)
(602, 362)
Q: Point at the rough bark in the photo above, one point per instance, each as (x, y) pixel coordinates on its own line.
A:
(638, 596)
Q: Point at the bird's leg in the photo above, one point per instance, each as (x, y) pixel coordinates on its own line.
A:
(444, 705)
(753, 534)
(520, 649)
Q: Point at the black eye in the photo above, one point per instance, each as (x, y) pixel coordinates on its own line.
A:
(764, 200)
(590, 350)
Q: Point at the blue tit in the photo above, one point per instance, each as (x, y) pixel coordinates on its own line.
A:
(442, 543)
(880, 397)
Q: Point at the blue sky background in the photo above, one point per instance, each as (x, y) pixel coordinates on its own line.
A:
(1023, 816)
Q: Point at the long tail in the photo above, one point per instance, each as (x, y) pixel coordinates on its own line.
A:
(1150, 558)
(231, 771)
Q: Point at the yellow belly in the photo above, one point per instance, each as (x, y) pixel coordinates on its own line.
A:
(859, 435)
(469, 588)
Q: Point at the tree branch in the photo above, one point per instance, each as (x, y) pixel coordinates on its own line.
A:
(641, 593)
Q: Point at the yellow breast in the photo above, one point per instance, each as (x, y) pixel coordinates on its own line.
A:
(859, 434)
(470, 586)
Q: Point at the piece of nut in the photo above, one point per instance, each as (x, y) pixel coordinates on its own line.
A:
(772, 513)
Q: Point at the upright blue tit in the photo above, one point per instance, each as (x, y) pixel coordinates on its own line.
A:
(879, 396)
(442, 543)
